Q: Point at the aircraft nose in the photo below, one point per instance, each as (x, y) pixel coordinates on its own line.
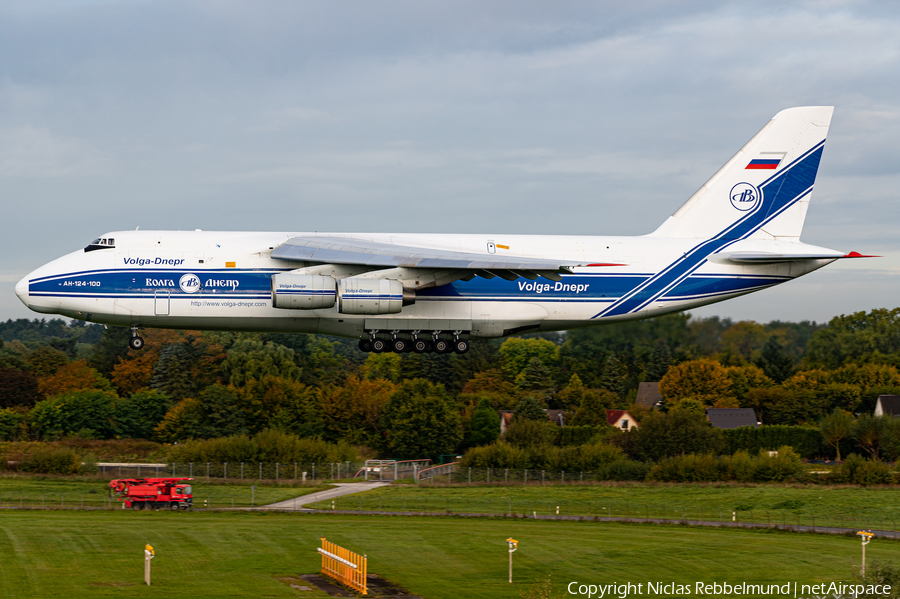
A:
(22, 290)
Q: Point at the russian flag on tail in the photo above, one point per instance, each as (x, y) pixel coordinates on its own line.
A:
(769, 163)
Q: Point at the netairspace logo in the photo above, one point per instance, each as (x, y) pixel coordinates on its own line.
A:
(833, 590)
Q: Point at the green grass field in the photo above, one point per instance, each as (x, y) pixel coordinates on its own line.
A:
(241, 554)
(37, 491)
(873, 507)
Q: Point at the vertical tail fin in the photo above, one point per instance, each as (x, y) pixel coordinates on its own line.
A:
(764, 190)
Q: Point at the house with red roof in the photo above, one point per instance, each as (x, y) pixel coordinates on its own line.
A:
(621, 419)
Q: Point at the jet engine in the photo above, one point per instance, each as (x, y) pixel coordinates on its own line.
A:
(358, 295)
(303, 292)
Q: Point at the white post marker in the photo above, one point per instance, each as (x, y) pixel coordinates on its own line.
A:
(866, 538)
(513, 545)
(149, 554)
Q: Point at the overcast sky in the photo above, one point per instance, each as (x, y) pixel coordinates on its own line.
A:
(508, 117)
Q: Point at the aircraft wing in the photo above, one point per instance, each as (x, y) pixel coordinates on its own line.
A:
(340, 250)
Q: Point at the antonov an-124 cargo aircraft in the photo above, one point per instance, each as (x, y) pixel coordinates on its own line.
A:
(740, 232)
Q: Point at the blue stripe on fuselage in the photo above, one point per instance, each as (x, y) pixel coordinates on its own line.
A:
(582, 287)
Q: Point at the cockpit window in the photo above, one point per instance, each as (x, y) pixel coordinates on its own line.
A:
(101, 243)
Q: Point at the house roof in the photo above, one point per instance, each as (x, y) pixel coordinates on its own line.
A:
(613, 416)
(556, 416)
(648, 395)
(731, 417)
(890, 404)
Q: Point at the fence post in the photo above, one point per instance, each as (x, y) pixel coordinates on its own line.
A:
(207, 470)
(191, 472)
(526, 476)
(260, 471)
(276, 472)
(314, 471)
(470, 475)
(295, 471)
(225, 470)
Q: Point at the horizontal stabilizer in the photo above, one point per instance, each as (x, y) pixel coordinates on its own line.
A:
(772, 258)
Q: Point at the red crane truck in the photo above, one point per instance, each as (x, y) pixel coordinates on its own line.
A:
(153, 493)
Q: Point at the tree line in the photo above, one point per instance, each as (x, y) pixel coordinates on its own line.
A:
(61, 379)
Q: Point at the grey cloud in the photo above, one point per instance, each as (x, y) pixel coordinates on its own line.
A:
(531, 117)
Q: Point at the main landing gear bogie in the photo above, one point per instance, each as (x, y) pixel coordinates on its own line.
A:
(416, 344)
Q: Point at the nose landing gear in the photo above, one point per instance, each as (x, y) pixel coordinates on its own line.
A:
(136, 342)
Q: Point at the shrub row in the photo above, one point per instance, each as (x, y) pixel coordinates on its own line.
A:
(741, 467)
(268, 446)
(55, 460)
(858, 471)
(597, 458)
(806, 441)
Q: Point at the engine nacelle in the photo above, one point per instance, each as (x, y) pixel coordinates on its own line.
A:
(302, 292)
(372, 296)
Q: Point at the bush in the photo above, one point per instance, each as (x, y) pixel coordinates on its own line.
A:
(13, 424)
(806, 441)
(89, 464)
(605, 461)
(496, 455)
(530, 433)
(52, 460)
(268, 446)
(576, 435)
(690, 468)
(624, 470)
(858, 471)
(879, 573)
(739, 467)
(786, 465)
(75, 411)
(675, 433)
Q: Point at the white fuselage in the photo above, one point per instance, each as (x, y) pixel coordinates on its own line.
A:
(140, 282)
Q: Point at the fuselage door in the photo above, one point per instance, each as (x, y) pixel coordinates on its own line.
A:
(161, 302)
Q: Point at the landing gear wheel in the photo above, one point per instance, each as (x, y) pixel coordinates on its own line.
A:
(379, 346)
(461, 346)
(400, 345)
(441, 346)
(420, 346)
(136, 342)
(365, 345)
